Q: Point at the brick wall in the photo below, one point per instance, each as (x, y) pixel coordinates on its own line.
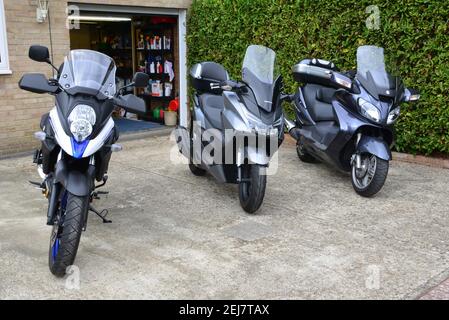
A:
(20, 111)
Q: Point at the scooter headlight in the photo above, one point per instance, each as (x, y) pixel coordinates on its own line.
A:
(368, 110)
(81, 121)
(393, 115)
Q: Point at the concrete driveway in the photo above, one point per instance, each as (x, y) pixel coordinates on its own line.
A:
(178, 236)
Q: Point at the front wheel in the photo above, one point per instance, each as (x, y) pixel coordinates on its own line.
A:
(197, 171)
(252, 187)
(303, 155)
(370, 177)
(66, 232)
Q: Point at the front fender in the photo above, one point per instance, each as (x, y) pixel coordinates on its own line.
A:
(376, 146)
(76, 182)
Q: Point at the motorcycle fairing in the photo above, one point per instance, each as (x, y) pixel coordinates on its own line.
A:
(66, 102)
(73, 148)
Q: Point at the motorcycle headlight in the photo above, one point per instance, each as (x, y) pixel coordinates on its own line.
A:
(81, 121)
(393, 115)
(368, 110)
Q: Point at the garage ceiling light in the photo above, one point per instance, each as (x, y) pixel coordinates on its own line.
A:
(98, 18)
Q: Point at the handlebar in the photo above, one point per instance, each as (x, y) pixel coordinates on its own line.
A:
(287, 97)
(229, 85)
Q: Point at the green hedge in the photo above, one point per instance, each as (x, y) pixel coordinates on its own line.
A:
(415, 35)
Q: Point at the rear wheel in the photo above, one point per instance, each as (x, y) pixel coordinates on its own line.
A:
(252, 188)
(303, 155)
(196, 170)
(66, 232)
(370, 177)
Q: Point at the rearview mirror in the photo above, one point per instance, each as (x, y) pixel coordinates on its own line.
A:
(411, 95)
(36, 83)
(39, 53)
(141, 79)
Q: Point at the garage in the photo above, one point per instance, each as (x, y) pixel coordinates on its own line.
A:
(139, 39)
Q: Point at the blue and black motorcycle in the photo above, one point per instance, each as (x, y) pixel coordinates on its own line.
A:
(78, 137)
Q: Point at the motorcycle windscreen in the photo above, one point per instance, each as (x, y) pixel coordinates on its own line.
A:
(89, 69)
(371, 71)
(260, 72)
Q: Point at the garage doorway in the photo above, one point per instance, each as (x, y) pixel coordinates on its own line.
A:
(150, 40)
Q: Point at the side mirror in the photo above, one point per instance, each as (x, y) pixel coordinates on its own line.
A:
(39, 53)
(411, 95)
(141, 79)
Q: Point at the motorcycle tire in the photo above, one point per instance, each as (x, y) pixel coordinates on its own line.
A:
(66, 234)
(252, 189)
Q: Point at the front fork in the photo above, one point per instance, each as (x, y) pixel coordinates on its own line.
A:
(356, 157)
(52, 190)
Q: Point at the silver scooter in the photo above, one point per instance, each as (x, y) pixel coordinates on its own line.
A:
(236, 127)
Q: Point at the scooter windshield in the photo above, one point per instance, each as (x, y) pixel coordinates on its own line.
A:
(91, 70)
(260, 72)
(371, 71)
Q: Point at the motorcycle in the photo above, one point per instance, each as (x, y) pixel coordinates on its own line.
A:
(78, 137)
(346, 119)
(241, 121)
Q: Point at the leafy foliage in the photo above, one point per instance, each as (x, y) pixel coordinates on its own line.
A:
(414, 33)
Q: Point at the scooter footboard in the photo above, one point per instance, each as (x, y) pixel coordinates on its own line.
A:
(375, 146)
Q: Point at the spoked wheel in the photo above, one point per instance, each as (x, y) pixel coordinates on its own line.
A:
(66, 232)
(370, 177)
(252, 188)
(303, 155)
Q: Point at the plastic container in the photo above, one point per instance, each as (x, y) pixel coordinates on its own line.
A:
(174, 105)
(170, 118)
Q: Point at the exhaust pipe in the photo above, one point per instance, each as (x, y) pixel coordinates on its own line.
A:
(292, 129)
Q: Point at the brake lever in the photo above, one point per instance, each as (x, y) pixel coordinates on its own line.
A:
(223, 86)
(215, 86)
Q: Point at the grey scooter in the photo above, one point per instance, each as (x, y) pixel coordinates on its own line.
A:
(236, 127)
(346, 119)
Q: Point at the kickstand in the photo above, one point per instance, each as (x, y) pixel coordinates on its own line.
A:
(101, 214)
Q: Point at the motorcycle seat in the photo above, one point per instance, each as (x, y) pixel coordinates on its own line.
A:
(318, 100)
(212, 105)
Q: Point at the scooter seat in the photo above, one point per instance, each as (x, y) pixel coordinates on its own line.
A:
(318, 100)
(212, 105)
